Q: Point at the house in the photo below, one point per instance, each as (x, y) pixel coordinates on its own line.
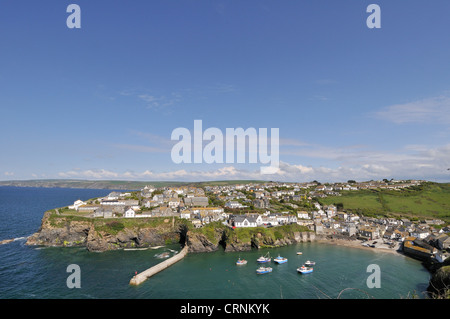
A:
(150, 203)
(244, 221)
(420, 233)
(130, 213)
(369, 233)
(303, 215)
(349, 229)
(77, 204)
(88, 208)
(147, 191)
(234, 204)
(261, 203)
(400, 233)
(196, 201)
(318, 228)
(174, 202)
(443, 241)
(163, 212)
(186, 214)
(105, 212)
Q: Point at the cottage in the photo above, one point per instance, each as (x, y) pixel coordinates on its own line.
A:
(130, 213)
(303, 215)
(77, 204)
(113, 196)
(244, 221)
(234, 204)
(186, 214)
(174, 202)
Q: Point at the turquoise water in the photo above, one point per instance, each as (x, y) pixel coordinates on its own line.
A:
(35, 272)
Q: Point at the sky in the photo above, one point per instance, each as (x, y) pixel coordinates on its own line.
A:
(102, 101)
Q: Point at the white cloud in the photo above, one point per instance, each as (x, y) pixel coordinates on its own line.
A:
(359, 163)
(429, 111)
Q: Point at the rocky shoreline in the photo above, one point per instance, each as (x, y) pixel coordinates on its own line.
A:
(113, 235)
(102, 235)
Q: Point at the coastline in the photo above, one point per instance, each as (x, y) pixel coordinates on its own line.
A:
(355, 243)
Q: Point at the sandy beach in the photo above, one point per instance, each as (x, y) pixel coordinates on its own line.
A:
(380, 246)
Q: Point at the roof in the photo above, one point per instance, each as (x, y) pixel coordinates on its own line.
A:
(241, 218)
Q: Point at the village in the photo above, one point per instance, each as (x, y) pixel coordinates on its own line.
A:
(273, 204)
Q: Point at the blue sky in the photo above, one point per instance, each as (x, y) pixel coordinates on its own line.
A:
(101, 102)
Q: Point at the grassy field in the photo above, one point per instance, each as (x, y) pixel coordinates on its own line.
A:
(430, 200)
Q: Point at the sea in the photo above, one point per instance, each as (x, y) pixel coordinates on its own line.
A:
(29, 272)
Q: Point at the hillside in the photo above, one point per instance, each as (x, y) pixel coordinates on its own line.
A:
(429, 200)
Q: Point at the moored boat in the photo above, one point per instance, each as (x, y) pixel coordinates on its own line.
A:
(299, 253)
(263, 270)
(280, 260)
(305, 270)
(310, 263)
(264, 259)
(241, 262)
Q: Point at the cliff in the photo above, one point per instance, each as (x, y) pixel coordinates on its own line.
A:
(110, 234)
(105, 234)
(215, 235)
(439, 285)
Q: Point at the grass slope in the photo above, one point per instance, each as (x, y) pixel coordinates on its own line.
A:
(429, 200)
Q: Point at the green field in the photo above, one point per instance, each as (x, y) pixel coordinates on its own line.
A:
(430, 200)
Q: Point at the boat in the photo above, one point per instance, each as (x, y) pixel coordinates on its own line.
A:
(264, 259)
(299, 253)
(280, 260)
(263, 270)
(305, 270)
(163, 255)
(310, 263)
(241, 262)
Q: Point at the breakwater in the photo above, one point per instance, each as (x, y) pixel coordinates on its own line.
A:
(143, 276)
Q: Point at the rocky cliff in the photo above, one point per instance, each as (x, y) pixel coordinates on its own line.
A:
(439, 285)
(110, 234)
(212, 237)
(103, 234)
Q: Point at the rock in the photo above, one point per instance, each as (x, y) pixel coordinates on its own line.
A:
(6, 241)
(198, 242)
(439, 286)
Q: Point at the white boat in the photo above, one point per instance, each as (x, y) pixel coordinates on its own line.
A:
(280, 260)
(241, 262)
(310, 263)
(305, 270)
(264, 259)
(299, 253)
(263, 270)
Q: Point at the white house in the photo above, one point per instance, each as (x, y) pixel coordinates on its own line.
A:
(174, 202)
(130, 213)
(186, 214)
(234, 204)
(244, 221)
(303, 215)
(77, 204)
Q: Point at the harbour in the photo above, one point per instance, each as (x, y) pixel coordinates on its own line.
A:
(28, 272)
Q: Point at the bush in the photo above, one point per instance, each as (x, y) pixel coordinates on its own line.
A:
(115, 226)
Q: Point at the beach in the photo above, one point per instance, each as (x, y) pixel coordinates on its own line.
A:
(379, 245)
